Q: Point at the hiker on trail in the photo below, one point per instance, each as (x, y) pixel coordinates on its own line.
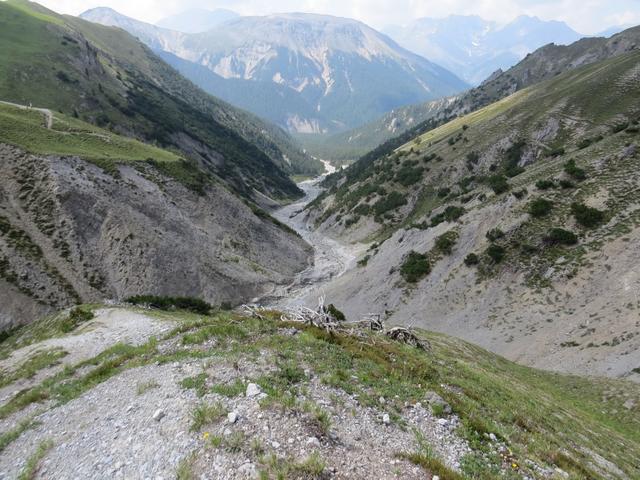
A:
(30, 105)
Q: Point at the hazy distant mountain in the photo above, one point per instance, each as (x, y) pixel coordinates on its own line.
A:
(473, 48)
(613, 30)
(197, 20)
(309, 73)
(154, 37)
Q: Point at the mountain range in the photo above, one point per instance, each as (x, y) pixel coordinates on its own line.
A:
(473, 48)
(307, 73)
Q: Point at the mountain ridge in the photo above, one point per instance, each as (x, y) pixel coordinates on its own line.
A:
(328, 68)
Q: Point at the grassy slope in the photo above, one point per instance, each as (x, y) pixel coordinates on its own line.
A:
(108, 78)
(69, 136)
(549, 419)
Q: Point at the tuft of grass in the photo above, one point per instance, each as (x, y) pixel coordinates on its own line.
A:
(312, 467)
(33, 463)
(185, 468)
(144, 387)
(206, 413)
(425, 457)
(320, 418)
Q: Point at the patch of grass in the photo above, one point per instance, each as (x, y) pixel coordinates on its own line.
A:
(69, 137)
(233, 389)
(66, 386)
(39, 361)
(205, 414)
(10, 435)
(77, 316)
(197, 383)
(144, 387)
(31, 468)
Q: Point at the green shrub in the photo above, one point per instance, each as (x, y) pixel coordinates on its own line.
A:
(560, 236)
(498, 183)
(586, 216)
(407, 176)
(494, 234)
(190, 304)
(555, 152)
(545, 184)
(450, 214)
(540, 207)
(496, 252)
(471, 259)
(443, 192)
(414, 267)
(390, 202)
(567, 184)
(446, 242)
(572, 169)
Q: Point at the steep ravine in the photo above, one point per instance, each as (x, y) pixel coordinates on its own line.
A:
(331, 258)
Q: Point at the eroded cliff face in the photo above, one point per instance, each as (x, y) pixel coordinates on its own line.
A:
(71, 232)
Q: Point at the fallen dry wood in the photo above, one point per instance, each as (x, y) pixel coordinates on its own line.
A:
(321, 318)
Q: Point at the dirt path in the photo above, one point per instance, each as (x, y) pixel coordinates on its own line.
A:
(331, 259)
(48, 115)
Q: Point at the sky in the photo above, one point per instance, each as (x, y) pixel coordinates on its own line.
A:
(584, 16)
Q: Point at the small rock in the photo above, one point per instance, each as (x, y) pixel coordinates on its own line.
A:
(158, 415)
(275, 444)
(226, 432)
(232, 417)
(253, 390)
(382, 400)
(492, 437)
(443, 421)
(435, 477)
(248, 470)
(313, 442)
(433, 399)
(386, 419)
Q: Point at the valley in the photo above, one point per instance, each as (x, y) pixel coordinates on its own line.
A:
(245, 245)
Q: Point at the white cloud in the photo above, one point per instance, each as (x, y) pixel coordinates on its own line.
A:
(586, 16)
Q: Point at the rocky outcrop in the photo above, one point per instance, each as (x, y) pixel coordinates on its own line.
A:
(71, 232)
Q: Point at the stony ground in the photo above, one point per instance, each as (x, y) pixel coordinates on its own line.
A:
(140, 422)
